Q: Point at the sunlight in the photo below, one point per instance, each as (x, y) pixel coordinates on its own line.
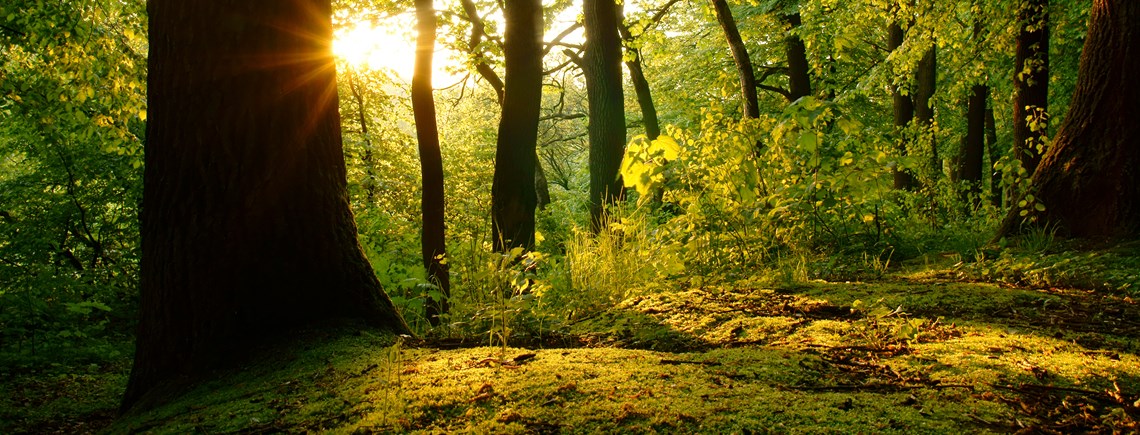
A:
(365, 44)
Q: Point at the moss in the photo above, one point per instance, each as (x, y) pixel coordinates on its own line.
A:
(916, 354)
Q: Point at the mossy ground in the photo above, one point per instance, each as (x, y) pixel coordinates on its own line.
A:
(916, 352)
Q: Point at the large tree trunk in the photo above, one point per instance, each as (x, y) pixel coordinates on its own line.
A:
(1089, 180)
(433, 246)
(246, 227)
(602, 68)
(513, 198)
(1031, 81)
(903, 113)
(799, 78)
(740, 56)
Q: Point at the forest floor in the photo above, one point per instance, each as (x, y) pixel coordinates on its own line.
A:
(918, 351)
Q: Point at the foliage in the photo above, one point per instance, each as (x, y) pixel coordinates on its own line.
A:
(72, 111)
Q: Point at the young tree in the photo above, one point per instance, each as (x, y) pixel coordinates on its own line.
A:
(433, 246)
(799, 78)
(1089, 180)
(246, 227)
(740, 55)
(903, 109)
(637, 74)
(971, 152)
(926, 80)
(1031, 82)
(513, 198)
(602, 69)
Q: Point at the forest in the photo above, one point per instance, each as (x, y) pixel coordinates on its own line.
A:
(721, 216)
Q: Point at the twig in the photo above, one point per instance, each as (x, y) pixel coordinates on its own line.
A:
(679, 362)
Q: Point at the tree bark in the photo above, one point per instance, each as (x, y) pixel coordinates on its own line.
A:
(1031, 81)
(971, 154)
(927, 78)
(602, 69)
(246, 227)
(799, 78)
(995, 154)
(744, 67)
(903, 113)
(513, 198)
(637, 78)
(433, 245)
(1089, 180)
(478, 30)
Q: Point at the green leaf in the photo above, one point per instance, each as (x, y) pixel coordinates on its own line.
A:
(667, 146)
(808, 142)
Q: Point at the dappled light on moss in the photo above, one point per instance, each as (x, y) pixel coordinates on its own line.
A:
(717, 359)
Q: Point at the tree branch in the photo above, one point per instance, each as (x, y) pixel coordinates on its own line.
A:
(558, 39)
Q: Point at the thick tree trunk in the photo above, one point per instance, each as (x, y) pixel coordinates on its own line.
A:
(602, 69)
(1089, 180)
(740, 55)
(903, 113)
(799, 78)
(433, 246)
(246, 227)
(1031, 81)
(971, 154)
(513, 198)
(927, 78)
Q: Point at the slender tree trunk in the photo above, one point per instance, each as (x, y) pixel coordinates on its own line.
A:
(1031, 82)
(602, 68)
(927, 77)
(799, 78)
(246, 227)
(903, 113)
(433, 245)
(478, 30)
(366, 158)
(740, 56)
(541, 185)
(971, 154)
(513, 198)
(640, 83)
(995, 154)
(1089, 180)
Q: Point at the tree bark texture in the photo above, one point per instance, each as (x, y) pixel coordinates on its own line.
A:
(744, 67)
(926, 78)
(433, 246)
(1089, 180)
(903, 113)
(1031, 80)
(971, 154)
(606, 129)
(513, 198)
(799, 78)
(246, 227)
